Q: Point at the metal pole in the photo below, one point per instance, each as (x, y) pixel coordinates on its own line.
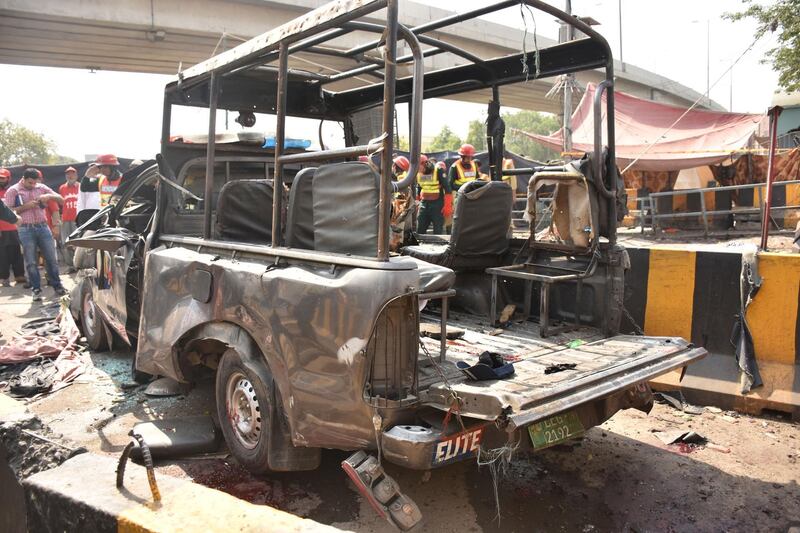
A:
(619, 10)
(730, 92)
(708, 62)
(212, 132)
(568, 79)
(390, 78)
(774, 113)
(280, 134)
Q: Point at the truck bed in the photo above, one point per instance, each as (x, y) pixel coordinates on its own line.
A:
(603, 366)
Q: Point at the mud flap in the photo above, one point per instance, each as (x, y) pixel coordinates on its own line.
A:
(381, 491)
(283, 455)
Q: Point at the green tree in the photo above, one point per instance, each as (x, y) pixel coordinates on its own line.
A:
(783, 17)
(402, 144)
(20, 145)
(445, 140)
(476, 136)
(530, 122)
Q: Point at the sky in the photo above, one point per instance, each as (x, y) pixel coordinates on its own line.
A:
(89, 113)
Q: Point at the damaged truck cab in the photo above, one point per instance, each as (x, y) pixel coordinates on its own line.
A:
(271, 267)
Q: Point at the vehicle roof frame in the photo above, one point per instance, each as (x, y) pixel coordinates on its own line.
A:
(308, 32)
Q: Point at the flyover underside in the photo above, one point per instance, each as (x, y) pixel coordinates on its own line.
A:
(161, 38)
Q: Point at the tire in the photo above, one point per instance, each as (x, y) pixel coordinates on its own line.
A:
(91, 322)
(244, 405)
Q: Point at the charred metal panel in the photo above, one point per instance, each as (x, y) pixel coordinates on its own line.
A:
(327, 16)
(311, 322)
(574, 56)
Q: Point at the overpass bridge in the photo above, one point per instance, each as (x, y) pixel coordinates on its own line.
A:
(163, 36)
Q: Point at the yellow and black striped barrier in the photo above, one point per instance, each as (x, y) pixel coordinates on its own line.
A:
(694, 294)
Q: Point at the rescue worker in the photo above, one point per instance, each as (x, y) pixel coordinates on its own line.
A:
(441, 168)
(88, 197)
(69, 191)
(508, 164)
(432, 188)
(105, 184)
(110, 177)
(10, 251)
(29, 200)
(464, 169)
(403, 207)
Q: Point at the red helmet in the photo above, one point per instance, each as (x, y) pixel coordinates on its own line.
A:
(442, 165)
(467, 149)
(69, 169)
(423, 159)
(5, 173)
(107, 159)
(402, 162)
(363, 159)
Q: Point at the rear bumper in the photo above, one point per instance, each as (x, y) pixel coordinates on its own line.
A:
(425, 448)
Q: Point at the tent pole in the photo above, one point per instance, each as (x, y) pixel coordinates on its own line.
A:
(774, 113)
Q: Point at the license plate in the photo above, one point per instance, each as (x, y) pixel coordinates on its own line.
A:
(555, 430)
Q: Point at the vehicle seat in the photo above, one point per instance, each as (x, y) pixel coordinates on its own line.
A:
(300, 214)
(244, 211)
(345, 208)
(480, 229)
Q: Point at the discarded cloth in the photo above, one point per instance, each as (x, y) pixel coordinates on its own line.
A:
(560, 367)
(46, 341)
(490, 366)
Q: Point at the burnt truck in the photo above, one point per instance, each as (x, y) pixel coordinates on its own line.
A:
(271, 266)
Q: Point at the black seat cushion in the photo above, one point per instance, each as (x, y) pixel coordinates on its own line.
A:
(432, 277)
(244, 211)
(300, 213)
(345, 200)
(480, 229)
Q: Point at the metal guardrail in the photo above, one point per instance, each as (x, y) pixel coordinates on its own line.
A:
(648, 205)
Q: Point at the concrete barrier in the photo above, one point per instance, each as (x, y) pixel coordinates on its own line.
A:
(81, 495)
(694, 294)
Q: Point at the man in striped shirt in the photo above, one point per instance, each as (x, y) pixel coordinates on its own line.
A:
(29, 200)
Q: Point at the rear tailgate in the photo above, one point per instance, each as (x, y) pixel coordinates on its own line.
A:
(602, 368)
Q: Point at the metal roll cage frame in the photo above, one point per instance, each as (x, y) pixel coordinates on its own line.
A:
(304, 36)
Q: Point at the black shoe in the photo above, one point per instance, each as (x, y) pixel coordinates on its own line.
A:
(60, 291)
(37, 295)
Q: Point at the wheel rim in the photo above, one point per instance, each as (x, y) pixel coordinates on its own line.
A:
(244, 411)
(89, 316)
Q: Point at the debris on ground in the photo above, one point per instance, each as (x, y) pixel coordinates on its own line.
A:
(165, 387)
(678, 403)
(559, 367)
(434, 331)
(507, 313)
(490, 366)
(44, 357)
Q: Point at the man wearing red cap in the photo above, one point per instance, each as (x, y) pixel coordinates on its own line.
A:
(29, 200)
(69, 191)
(464, 169)
(110, 177)
(10, 252)
(432, 189)
(106, 183)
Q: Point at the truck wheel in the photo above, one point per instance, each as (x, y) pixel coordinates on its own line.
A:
(244, 393)
(91, 323)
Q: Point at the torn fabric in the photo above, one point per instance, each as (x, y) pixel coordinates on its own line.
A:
(741, 338)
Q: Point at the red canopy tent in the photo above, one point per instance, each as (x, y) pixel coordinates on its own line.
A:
(699, 138)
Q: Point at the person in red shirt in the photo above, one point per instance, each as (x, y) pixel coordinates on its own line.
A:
(69, 191)
(10, 251)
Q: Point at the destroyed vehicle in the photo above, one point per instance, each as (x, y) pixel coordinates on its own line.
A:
(271, 267)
